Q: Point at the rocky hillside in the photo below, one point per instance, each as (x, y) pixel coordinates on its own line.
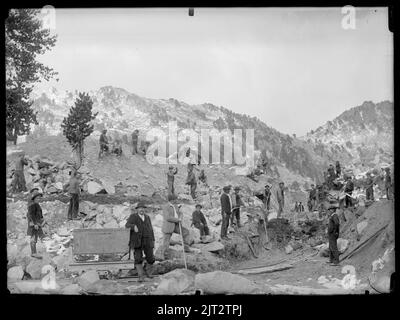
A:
(361, 136)
(123, 112)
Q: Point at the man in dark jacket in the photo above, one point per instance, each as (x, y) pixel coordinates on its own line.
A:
(236, 204)
(18, 183)
(200, 222)
(267, 197)
(369, 188)
(35, 222)
(348, 189)
(135, 138)
(333, 235)
(338, 169)
(141, 240)
(331, 176)
(226, 211)
(74, 191)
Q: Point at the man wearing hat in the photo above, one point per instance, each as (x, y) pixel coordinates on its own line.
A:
(172, 171)
(333, 235)
(267, 197)
(172, 216)
(280, 196)
(226, 211)
(200, 222)
(388, 183)
(369, 189)
(35, 222)
(236, 204)
(141, 240)
(192, 181)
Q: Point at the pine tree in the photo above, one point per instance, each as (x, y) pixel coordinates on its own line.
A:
(77, 126)
(25, 39)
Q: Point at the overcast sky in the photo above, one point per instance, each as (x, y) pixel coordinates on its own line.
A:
(295, 68)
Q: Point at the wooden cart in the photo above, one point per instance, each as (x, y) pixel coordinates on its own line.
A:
(100, 242)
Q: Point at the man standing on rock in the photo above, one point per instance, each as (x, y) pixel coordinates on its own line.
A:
(192, 182)
(35, 222)
(172, 171)
(369, 189)
(19, 184)
(103, 143)
(348, 189)
(267, 197)
(280, 196)
(236, 204)
(172, 217)
(135, 138)
(141, 241)
(333, 235)
(226, 211)
(312, 198)
(74, 191)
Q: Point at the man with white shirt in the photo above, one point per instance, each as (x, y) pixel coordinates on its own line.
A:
(141, 240)
(226, 211)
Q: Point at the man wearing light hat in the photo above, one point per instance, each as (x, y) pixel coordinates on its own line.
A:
(141, 240)
(35, 222)
(172, 217)
(226, 211)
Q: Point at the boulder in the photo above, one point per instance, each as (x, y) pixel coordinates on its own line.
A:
(72, 289)
(213, 247)
(342, 245)
(288, 249)
(94, 187)
(175, 282)
(15, 273)
(105, 287)
(111, 225)
(88, 278)
(158, 220)
(121, 212)
(361, 226)
(36, 266)
(220, 282)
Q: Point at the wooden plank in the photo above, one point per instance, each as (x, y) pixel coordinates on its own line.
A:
(101, 241)
(269, 269)
(102, 266)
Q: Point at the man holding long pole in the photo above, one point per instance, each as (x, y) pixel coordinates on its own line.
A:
(172, 224)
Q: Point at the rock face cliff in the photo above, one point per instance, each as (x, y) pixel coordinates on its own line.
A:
(361, 135)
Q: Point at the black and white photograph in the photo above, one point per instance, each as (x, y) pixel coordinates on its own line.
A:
(199, 151)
